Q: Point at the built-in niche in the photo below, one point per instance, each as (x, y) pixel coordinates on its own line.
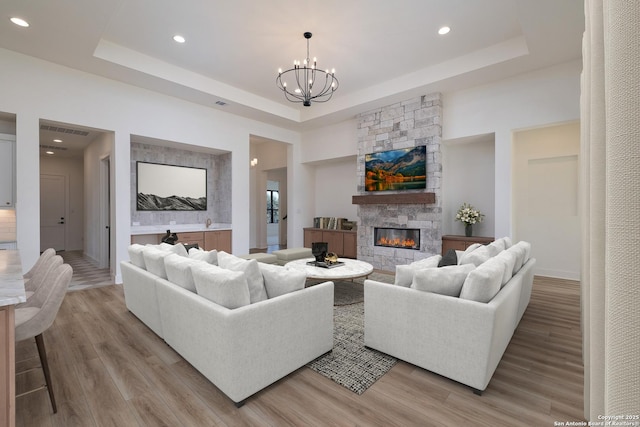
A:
(217, 165)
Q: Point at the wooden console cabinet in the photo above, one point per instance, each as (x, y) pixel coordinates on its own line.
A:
(208, 240)
(460, 243)
(342, 242)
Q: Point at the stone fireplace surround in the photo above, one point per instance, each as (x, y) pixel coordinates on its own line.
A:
(407, 124)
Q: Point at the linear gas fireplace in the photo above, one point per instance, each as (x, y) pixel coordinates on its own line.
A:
(406, 238)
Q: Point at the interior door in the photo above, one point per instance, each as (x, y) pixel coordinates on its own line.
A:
(52, 212)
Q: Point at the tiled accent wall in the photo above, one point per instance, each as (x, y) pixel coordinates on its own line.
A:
(7, 225)
(414, 122)
(218, 184)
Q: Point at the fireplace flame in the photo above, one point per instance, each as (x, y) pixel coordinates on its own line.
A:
(397, 242)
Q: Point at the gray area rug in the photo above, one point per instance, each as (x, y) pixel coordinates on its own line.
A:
(350, 364)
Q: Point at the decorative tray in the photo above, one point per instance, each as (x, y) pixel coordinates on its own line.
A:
(325, 265)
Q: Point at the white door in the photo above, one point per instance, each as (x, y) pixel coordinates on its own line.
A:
(52, 212)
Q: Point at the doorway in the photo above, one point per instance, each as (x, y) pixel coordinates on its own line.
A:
(53, 202)
(104, 260)
(273, 216)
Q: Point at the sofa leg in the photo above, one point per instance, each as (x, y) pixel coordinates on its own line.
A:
(477, 392)
(241, 403)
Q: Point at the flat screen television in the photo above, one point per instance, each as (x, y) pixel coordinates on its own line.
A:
(396, 170)
(170, 188)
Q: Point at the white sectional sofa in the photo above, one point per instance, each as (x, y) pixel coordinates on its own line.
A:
(240, 350)
(463, 335)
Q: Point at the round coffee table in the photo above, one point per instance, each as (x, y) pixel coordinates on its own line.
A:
(350, 269)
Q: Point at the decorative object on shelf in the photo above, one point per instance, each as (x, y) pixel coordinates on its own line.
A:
(170, 238)
(469, 216)
(319, 250)
(309, 83)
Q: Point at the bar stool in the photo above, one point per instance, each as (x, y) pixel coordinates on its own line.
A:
(38, 314)
(41, 276)
(44, 256)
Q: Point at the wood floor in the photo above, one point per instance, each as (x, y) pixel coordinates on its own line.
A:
(110, 370)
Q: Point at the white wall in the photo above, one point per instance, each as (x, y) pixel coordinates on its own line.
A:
(26, 85)
(94, 224)
(335, 183)
(545, 186)
(468, 177)
(72, 169)
(547, 96)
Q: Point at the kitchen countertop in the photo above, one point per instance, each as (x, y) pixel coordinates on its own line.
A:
(176, 228)
(11, 280)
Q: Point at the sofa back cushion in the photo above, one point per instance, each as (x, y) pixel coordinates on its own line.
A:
(207, 256)
(509, 260)
(135, 255)
(251, 270)
(478, 255)
(445, 280)
(154, 261)
(224, 287)
(522, 251)
(179, 272)
(279, 281)
(483, 283)
(404, 273)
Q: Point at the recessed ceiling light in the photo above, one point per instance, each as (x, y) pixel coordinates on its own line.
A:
(444, 30)
(57, 140)
(179, 39)
(49, 152)
(19, 21)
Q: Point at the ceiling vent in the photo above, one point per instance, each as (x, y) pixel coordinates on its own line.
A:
(64, 130)
(53, 147)
(221, 103)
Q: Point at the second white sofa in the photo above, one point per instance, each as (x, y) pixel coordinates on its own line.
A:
(456, 337)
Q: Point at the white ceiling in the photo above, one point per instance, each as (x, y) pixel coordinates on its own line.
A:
(383, 51)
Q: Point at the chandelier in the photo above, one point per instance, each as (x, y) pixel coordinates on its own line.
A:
(308, 82)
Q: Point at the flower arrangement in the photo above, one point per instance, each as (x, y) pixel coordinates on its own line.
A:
(469, 215)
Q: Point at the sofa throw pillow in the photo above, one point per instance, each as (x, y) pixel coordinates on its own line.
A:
(519, 253)
(483, 283)
(178, 270)
(446, 280)
(404, 273)
(135, 255)
(498, 245)
(178, 248)
(278, 280)
(154, 260)
(509, 260)
(208, 256)
(507, 242)
(450, 258)
(250, 269)
(223, 287)
(477, 256)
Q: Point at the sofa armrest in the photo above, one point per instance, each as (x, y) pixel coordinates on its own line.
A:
(457, 338)
(140, 295)
(244, 350)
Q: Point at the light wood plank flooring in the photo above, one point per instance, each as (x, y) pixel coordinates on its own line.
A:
(111, 370)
